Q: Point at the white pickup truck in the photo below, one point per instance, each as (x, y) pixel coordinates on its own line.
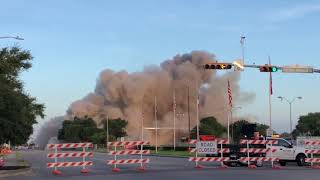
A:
(286, 152)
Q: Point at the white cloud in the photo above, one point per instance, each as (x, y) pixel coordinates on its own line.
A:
(290, 13)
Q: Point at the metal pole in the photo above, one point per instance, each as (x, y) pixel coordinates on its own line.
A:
(107, 133)
(270, 100)
(115, 156)
(142, 120)
(55, 158)
(189, 112)
(174, 120)
(83, 158)
(197, 118)
(231, 118)
(228, 128)
(290, 119)
(156, 122)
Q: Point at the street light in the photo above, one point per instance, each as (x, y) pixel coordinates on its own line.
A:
(12, 37)
(174, 130)
(290, 103)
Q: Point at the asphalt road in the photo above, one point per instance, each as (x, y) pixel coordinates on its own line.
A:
(161, 168)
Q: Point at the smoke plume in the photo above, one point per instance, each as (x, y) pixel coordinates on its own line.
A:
(49, 129)
(129, 95)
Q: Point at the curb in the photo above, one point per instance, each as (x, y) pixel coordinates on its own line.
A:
(159, 155)
(154, 155)
(18, 172)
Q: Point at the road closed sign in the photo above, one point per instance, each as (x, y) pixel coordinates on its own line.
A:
(207, 147)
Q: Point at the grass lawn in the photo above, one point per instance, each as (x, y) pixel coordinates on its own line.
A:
(172, 153)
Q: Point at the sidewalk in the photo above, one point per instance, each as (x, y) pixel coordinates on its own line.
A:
(14, 165)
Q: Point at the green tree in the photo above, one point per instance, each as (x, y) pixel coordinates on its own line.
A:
(18, 110)
(308, 125)
(99, 137)
(238, 126)
(209, 126)
(116, 127)
(78, 130)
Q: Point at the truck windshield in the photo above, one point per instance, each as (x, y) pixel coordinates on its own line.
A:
(283, 143)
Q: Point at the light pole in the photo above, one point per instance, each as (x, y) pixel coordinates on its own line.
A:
(290, 103)
(174, 130)
(11, 37)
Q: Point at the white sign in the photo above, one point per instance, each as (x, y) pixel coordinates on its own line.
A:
(297, 69)
(207, 147)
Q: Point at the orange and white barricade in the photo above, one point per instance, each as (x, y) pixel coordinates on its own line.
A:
(310, 149)
(249, 151)
(220, 150)
(142, 161)
(56, 155)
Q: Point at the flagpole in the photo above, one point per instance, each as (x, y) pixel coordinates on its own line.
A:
(228, 128)
(174, 120)
(156, 122)
(197, 118)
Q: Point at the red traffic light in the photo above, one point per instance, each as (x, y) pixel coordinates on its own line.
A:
(218, 66)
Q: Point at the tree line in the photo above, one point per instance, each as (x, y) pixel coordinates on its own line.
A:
(86, 130)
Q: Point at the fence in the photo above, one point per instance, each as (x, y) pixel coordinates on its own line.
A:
(56, 155)
(312, 151)
(220, 150)
(258, 151)
(140, 152)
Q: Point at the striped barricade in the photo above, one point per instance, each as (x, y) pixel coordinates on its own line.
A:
(259, 151)
(142, 161)
(64, 155)
(264, 159)
(312, 151)
(220, 150)
(208, 159)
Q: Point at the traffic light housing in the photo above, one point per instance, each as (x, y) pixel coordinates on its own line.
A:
(218, 66)
(268, 68)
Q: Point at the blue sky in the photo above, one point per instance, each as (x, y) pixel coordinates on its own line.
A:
(73, 40)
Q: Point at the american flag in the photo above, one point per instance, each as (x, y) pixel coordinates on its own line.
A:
(229, 94)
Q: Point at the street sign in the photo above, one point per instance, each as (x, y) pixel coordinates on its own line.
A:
(207, 147)
(297, 69)
(207, 138)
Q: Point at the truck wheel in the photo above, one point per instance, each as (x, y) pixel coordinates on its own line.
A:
(301, 159)
(282, 163)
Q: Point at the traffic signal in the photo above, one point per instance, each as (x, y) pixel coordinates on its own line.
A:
(268, 68)
(218, 66)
